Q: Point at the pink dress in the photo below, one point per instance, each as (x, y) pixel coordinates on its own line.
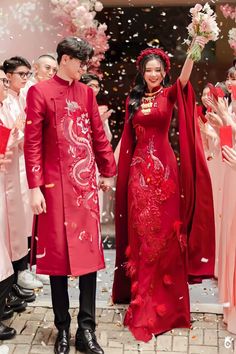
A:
(217, 172)
(13, 226)
(13, 111)
(227, 251)
(5, 261)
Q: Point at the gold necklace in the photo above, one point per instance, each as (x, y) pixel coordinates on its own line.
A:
(147, 101)
(150, 94)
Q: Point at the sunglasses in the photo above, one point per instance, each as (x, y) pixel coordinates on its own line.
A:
(23, 74)
(4, 81)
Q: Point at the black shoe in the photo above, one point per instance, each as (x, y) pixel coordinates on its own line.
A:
(25, 294)
(7, 313)
(6, 332)
(86, 341)
(15, 303)
(62, 344)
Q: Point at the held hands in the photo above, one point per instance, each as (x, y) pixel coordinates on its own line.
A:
(37, 201)
(106, 183)
(104, 113)
(229, 156)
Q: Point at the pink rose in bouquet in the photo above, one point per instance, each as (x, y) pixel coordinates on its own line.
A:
(203, 25)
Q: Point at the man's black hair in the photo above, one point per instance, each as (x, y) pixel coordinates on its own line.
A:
(75, 48)
(13, 63)
(46, 56)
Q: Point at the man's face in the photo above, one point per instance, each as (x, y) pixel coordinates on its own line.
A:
(3, 86)
(74, 68)
(45, 68)
(18, 78)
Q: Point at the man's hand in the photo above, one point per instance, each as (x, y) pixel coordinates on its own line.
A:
(5, 159)
(37, 201)
(106, 183)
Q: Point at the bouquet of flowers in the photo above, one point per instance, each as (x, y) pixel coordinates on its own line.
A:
(204, 25)
(232, 39)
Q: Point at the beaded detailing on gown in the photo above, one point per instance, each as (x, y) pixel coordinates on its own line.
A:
(148, 101)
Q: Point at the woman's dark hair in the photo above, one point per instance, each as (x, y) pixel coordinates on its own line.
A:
(140, 86)
(86, 78)
(13, 63)
(231, 72)
(75, 48)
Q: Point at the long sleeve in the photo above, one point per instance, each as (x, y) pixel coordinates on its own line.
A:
(102, 148)
(35, 110)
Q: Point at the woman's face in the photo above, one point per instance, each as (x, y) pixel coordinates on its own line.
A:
(231, 81)
(94, 84)
(153, 74)
(205, 95)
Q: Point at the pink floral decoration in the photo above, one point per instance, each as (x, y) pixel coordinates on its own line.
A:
(228, 11)
(232, 40)
(78, 19)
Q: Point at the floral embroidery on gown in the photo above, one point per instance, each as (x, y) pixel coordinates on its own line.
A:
(157, 250)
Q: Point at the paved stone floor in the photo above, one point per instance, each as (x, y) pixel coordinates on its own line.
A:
(36, 335)
(36, 332)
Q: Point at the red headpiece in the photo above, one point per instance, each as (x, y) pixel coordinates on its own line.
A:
(156, 51)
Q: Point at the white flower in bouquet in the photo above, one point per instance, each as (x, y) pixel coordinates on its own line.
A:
(232, 39)
(203, 25)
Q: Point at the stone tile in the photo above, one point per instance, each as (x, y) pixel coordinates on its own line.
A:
(131, 347)
(103, 339)
(40, 349)
(114, 344)
(147, 346)
(113, 350)
(180, 344)
(31, 327)
(40, 310)
(37, 316)
(204, 324)
(164, 343)
(202, 349)
(19, 339)
(22, 349)
(52, 337)
(106, 316)
(196, 336)
(19, 324)
(210, 337)
(223, 349)
(11, 347)
(42, 336)
(49, 316)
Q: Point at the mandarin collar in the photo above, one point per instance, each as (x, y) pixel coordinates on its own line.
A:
(62, 81)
